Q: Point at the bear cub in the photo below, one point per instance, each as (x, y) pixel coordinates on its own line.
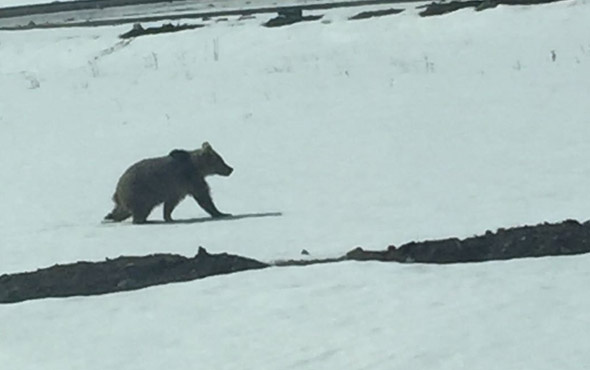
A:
(168, 180)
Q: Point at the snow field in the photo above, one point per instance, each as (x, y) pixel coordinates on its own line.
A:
(526, 313)
(364, 133)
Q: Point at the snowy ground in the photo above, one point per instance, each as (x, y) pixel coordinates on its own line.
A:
(8, 3)
(141, 10)
(527, 314)
(161, 11)
(364, 133)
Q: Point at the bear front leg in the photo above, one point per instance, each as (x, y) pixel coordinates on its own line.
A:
(204, 200)
(169, 206)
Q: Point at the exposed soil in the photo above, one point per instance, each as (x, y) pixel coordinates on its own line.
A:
(376, 13)
(565, 238)
(129, 273)
(288, 16)
(439, 8)
(119, 274)
(138, 29)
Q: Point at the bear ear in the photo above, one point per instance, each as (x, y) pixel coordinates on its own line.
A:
(181, 155)
(206, 146)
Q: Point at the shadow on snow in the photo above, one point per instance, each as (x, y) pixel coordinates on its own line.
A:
(211, 219)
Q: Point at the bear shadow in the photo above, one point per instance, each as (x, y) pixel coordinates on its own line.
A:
(211, 219)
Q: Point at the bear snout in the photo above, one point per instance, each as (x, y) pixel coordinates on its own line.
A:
(227, 171)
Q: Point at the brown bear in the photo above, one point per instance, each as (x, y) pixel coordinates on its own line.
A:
(167, 180)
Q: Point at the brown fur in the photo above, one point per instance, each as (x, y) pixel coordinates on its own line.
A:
(167, 180)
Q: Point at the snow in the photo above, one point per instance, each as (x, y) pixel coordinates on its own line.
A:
(161, 9)
(369, 133)
(520, 314)
(10, 3)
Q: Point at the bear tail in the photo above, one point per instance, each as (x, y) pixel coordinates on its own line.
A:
(118, 214)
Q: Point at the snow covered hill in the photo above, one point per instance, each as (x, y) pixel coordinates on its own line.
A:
(111, 12)
(367, 133)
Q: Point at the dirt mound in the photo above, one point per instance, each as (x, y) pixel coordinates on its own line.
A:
(138, 29)
(375, 13)
(288, 16)
(120, 274)
(129, 273)
(439, 8)
(565, 238)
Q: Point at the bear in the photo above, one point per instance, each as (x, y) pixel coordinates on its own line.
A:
(168, 180)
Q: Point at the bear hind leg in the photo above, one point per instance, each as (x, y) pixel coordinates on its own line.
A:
(169, 206)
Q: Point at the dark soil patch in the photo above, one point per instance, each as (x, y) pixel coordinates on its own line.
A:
(129, 273)
(565, 238)
(444, 7)
(376, 13)
(120, 274)
(288, 16)
(138, 29)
